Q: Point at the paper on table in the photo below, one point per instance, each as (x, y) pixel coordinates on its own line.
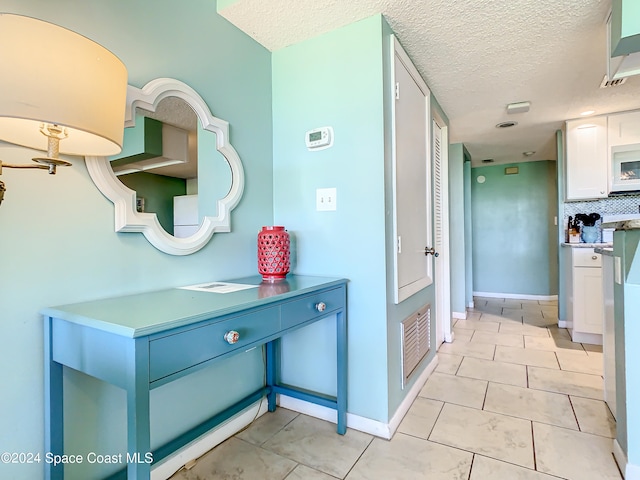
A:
(218, 287)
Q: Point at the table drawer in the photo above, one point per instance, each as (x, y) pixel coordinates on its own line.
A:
(184, 349)
(586, 257)
(306, 308)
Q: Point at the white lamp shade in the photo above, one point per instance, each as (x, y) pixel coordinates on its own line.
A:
(56, 76)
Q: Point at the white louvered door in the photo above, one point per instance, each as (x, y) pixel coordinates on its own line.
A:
(441, 233)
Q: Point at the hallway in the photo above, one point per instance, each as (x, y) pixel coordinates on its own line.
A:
(511, 399)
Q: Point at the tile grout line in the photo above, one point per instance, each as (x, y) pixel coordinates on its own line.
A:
(473, 457)
(533, 446)
(373, 437)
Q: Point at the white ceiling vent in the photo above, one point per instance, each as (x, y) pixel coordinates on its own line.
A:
(612, 83)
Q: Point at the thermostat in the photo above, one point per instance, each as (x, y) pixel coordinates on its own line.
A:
(319, 138)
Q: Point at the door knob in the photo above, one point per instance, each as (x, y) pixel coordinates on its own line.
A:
(431, 251)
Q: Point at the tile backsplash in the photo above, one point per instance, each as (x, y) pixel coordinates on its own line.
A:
(616, 205)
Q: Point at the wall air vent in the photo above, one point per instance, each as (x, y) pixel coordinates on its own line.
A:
(488, 160)
(416, 341)
(612, 83)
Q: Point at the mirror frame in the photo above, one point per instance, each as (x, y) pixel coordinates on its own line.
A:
(127, 219)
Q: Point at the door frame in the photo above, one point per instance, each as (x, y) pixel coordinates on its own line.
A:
(442, 274)
(402, 292)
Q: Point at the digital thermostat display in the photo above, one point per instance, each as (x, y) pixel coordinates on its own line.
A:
(319, 138)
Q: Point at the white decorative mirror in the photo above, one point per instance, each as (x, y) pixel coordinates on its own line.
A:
(172, 144)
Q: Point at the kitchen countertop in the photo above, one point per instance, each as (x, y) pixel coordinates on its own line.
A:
(587, 245)
(604, 250)
(623, 224)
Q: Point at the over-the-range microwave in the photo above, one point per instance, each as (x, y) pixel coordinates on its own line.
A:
(625, 168)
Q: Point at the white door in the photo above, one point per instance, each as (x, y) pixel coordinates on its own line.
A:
(441, 231)
(412, 178)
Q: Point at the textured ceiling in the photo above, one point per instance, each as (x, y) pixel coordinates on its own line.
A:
(477, 56)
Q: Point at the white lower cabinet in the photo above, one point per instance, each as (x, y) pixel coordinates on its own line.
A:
(585, 305)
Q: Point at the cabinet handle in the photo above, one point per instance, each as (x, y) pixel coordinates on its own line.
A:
(231, 337)
(321, 306)
(595, 257)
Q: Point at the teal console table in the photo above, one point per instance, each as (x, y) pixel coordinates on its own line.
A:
(139, 342)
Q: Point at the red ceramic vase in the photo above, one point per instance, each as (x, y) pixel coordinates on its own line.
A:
(273, 253)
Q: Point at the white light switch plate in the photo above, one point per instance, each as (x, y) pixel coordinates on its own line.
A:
(326, 199)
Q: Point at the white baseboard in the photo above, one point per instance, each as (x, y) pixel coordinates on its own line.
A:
(519, 296)
(405, 405)
(459, 315)
(563, 324)
(629, 471)
(356, 422)
(590, 338)
(471, 305)
(363, 424)
(170, 465)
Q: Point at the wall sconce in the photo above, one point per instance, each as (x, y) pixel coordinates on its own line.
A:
(59, 92)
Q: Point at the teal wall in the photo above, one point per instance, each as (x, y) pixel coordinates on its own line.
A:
(626, 245)
(336, 79)
(397, 313)
(457, 238)
(58, 243)
(514, 236)
(625, 27)
(340, 79)
(468, 235)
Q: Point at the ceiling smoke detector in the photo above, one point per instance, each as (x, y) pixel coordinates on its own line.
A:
(506, 124)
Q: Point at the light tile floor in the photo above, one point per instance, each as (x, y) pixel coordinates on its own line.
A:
(511, 399)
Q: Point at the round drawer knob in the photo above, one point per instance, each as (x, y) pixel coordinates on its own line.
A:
(231, 337)
(321, 306)
(595, 257)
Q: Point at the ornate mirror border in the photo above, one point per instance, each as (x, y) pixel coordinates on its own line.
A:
(127, 219)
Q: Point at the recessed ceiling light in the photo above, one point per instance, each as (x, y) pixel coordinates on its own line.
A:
(586, 113)
(529, 153)
(506, 124)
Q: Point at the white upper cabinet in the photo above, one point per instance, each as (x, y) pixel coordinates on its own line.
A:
(587, 166)
(624, 129)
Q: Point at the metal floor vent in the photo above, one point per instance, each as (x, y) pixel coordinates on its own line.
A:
(416, 339)
(612, 83)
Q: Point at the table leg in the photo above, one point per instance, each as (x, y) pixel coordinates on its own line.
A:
(53, 406)
(138, 423)
(272, 372)
(341, 325)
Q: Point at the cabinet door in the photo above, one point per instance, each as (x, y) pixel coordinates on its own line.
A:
(412, 178)
(587, 288)
(587, 170)
(624, 129)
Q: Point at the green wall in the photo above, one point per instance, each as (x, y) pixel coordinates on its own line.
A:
(336, 79)
(457, 237)
(341, 79)
(514, 235)
(58, 243)
(158, 192)
(468, 235)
